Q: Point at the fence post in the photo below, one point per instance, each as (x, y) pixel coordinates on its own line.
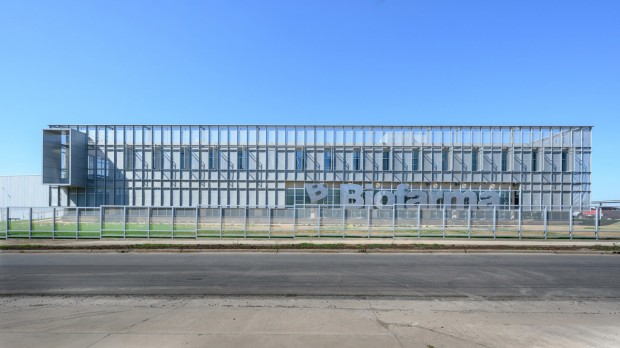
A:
(6, 225)
(269, 222)
(318, 221)
(245, 222)
(172, 220)
(100, 221)
(197, 222)
(343, 219)
(520, 221)
(30, 223)
(443, 222)
(148, 222)
(494, 221)
(368, 221)
(77, 222)
(570, 224)
(419, 215)
(221, 217)
(53, 222)
(124, 222)
(545, 221)
(393, 221)
(597, 216)
(6, 235)
(469, 221)
(295, 222)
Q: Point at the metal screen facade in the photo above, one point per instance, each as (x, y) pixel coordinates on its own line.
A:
(276, 166)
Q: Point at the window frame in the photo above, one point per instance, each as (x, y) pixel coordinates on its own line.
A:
(385, 159)
(300, 159)
(357, 159)
(328, 159)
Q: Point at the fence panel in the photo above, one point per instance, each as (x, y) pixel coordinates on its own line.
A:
(332, 222)
(112, 222)
(431, 221)
(483, 222)
(184, 222)
(137, 222)
(356, 222)
(507, 223)
(65, 223)
(456, 221)
(209, 220)
(309, 221)
(88, 223)
(19, 223)
(233, 222)
(282, 223)
(4, 221)
(609, 223)
(405, 222)
(43, 222)
(583, 228)
(558, 224)
(381, 223)
(533, 223)
(161, 225)
(257, 223)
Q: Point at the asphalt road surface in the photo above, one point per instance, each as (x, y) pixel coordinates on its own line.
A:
(533, 276)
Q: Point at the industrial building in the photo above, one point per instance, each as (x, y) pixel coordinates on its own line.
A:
(23, 191)
(282, 166)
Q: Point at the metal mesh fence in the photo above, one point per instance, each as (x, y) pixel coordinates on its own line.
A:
(398, 221)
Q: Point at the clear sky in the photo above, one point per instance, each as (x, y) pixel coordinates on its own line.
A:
(538, 62)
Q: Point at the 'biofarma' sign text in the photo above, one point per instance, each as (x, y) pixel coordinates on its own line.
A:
(355, 195)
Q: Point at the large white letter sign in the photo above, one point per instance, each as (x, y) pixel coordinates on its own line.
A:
(316, 192)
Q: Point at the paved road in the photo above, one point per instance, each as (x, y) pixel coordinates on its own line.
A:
(534, 276)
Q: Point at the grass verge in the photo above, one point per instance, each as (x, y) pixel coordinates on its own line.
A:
(312, 246)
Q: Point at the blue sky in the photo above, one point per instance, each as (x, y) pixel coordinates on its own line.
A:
(310, 62)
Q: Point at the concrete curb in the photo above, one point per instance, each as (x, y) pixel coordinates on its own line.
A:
(310, 245)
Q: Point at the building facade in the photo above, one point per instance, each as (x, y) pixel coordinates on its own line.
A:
(23, 191)
(278, 166)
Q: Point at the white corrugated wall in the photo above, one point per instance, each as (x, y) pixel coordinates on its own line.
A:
(23, 191)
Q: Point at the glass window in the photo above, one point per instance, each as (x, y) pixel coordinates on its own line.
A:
(129, 158)
(101, 170)
(565, 161)
(242, 159)
(64, 154)
(444, 159)
(167, 158)
(213, 158)
(91, 163)
(386, 159)
(328, 159)
(166, 135)
(506, 136)
(357, 159)
(300, 136)
(186, 158)
(534, 160)
(416, 159)
(64, 162)
(446, 136)
(300, 159)
(474, 160)
(504, 160)
(158, 158)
